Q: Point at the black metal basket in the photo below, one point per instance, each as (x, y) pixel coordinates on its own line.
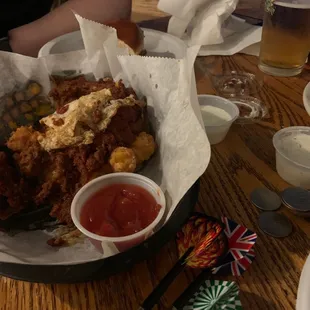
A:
(104, 268)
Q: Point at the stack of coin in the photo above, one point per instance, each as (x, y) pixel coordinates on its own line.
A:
(297, 200)
(270, 222)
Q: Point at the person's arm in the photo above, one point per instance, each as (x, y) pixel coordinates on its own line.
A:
(28, 39)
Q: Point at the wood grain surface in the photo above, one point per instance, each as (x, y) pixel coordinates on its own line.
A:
(147, 9)
(244, 161)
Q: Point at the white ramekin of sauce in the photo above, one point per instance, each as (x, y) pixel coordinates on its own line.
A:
(218, 114)
(292, 146)
(118, 211)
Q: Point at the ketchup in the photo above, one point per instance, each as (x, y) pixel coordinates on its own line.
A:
(119, 210)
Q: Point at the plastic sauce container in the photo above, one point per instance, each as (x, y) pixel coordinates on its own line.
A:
(292, 146)
(218, 114)
(112, 245)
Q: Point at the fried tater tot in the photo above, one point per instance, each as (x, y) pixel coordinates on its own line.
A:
(123, 159)
(143, 147)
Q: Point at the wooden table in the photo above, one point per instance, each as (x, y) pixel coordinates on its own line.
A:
(244, 161)
(147, 9)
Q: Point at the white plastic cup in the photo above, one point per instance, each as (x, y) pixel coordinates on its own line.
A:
(217, 132)
(289, 165)
(112, 245)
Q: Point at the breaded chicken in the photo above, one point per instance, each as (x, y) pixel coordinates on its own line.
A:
(13, 189)
(67, 90)
(22, 138)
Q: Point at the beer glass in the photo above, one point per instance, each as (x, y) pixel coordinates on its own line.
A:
(285, 41)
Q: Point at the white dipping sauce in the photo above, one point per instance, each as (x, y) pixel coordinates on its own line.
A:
(293, 150)
(297, 148)
(213, 116)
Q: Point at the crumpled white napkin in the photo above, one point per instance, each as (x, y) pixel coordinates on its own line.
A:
(238, 37)
(209, 23)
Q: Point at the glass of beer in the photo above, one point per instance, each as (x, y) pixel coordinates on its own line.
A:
(285, 41)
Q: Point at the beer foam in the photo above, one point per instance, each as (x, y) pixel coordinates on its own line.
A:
(299, 4)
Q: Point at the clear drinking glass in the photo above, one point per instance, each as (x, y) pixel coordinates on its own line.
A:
(285, 41)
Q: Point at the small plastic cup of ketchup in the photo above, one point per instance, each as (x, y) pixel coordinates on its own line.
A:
(118, 211)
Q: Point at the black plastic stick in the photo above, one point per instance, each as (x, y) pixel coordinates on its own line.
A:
(191, 290)
(163, 285)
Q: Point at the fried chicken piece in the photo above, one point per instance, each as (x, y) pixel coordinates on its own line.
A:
(123, 159)
(105, 140)
(90, 159)
(62, 172)
(105, 169)
(126, 124)
(67, 90)
(21, 138)
(104, 144)
(79, 156)
(144, 147)
(83, 163)
(30, 160)
(56, 176)
(61, 209)
(66, 236)
(29, 155)
(59, 177)
(13, 189)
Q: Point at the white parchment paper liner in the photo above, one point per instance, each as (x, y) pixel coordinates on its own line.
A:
(184, 150)
(17, 70)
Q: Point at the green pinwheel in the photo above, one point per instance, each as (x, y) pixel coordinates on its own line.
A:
(215, 295)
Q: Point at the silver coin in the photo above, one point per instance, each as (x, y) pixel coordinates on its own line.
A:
(275, 224)
(296, 198)
(265, 199)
